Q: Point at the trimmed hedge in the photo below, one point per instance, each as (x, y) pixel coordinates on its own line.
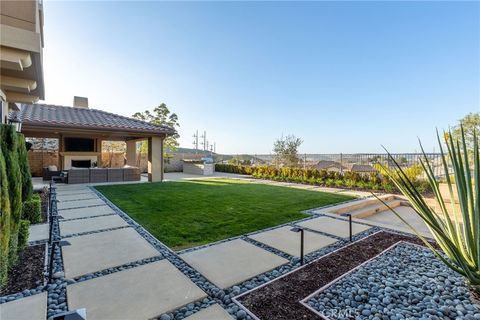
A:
(27, 186)
(353, 180)
(32, 209)
(16, 187)
(4, 221)
(23, 233)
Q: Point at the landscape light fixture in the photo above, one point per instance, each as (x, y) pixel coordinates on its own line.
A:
(349, 223)
(16, 122)
(302, 239)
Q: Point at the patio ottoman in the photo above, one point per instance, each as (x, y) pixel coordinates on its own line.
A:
(131, 174)
(78, 175)
(98, 175)
(114, 174)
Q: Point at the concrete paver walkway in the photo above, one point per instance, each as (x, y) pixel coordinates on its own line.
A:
(92, 224)
(38, 232)
(138, 293)
(79, 203)
(76, 197)
(232, 262)
(339, 228)
(29, 308)
(214, 312)
(99, 251)
(86, 212)
(289, 242)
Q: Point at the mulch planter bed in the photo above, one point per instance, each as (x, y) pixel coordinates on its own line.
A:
(28, 272)
(280, 299)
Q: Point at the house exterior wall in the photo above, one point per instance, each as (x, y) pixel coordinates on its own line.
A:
(21, 50)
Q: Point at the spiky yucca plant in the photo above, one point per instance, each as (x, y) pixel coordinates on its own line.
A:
(456, 231)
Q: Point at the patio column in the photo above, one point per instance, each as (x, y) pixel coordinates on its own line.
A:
(155, 159)
(99, 149)
(131, 152)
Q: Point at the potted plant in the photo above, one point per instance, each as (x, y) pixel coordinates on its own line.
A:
(455, 224)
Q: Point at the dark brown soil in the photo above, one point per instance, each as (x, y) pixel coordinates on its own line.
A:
(280, 299)
(28, 272)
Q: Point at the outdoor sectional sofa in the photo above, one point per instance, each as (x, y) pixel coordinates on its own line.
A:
(98, 175)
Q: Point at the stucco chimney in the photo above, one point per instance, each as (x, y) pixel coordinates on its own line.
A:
(80, 102)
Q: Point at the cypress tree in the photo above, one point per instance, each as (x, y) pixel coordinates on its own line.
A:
(12, 168)
(4, 221)
(27, 186)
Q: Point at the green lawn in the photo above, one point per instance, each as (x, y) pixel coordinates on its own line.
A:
(189, 213)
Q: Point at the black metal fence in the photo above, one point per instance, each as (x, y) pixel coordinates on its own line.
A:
(341, 162)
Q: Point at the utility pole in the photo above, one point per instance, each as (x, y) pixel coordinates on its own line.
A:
(195, 141)
(204, 142)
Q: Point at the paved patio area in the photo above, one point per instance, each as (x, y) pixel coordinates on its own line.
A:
(232, 262)
(29, 308)
(92, 224)
(289, 242)
(79, 204)
(82, 213)
(99, 251)
(339, 228)
(138, 293)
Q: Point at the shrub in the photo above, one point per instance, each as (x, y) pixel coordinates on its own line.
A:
(457, 232)
(27, 187)
(23, 232)
(14, 183)
(32, 209)
(4, 222)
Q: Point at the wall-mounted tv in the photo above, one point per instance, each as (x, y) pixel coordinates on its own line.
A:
(79, 144)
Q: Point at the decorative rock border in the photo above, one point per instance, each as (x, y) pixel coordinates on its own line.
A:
(389, 285)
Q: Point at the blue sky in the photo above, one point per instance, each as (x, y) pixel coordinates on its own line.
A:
(344, 76)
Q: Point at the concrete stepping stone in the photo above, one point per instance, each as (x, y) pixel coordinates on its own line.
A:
(232, 262)
(72, 192)
(91, 224)
(86, 212)
(38, 232)
(214, 312)
(99, 251)
(142, 293)
(79, 204)
(339, 228)
(289, 242)
(78, 196)
(32, 307)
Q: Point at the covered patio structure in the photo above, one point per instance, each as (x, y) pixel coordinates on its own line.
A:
(81, 130)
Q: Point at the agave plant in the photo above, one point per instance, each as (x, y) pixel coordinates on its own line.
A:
(456, 229)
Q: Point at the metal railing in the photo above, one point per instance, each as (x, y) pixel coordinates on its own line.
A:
(340, 162)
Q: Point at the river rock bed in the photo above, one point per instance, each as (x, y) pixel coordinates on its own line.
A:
(406, 282)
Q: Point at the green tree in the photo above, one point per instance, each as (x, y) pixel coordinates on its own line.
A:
(161, 115)
(9, 141)
(4, 221)
(27, 186)
(471, 123)
(286, 151)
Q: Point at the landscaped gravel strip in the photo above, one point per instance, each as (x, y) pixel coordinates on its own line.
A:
(407, 281)
(279, 299)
